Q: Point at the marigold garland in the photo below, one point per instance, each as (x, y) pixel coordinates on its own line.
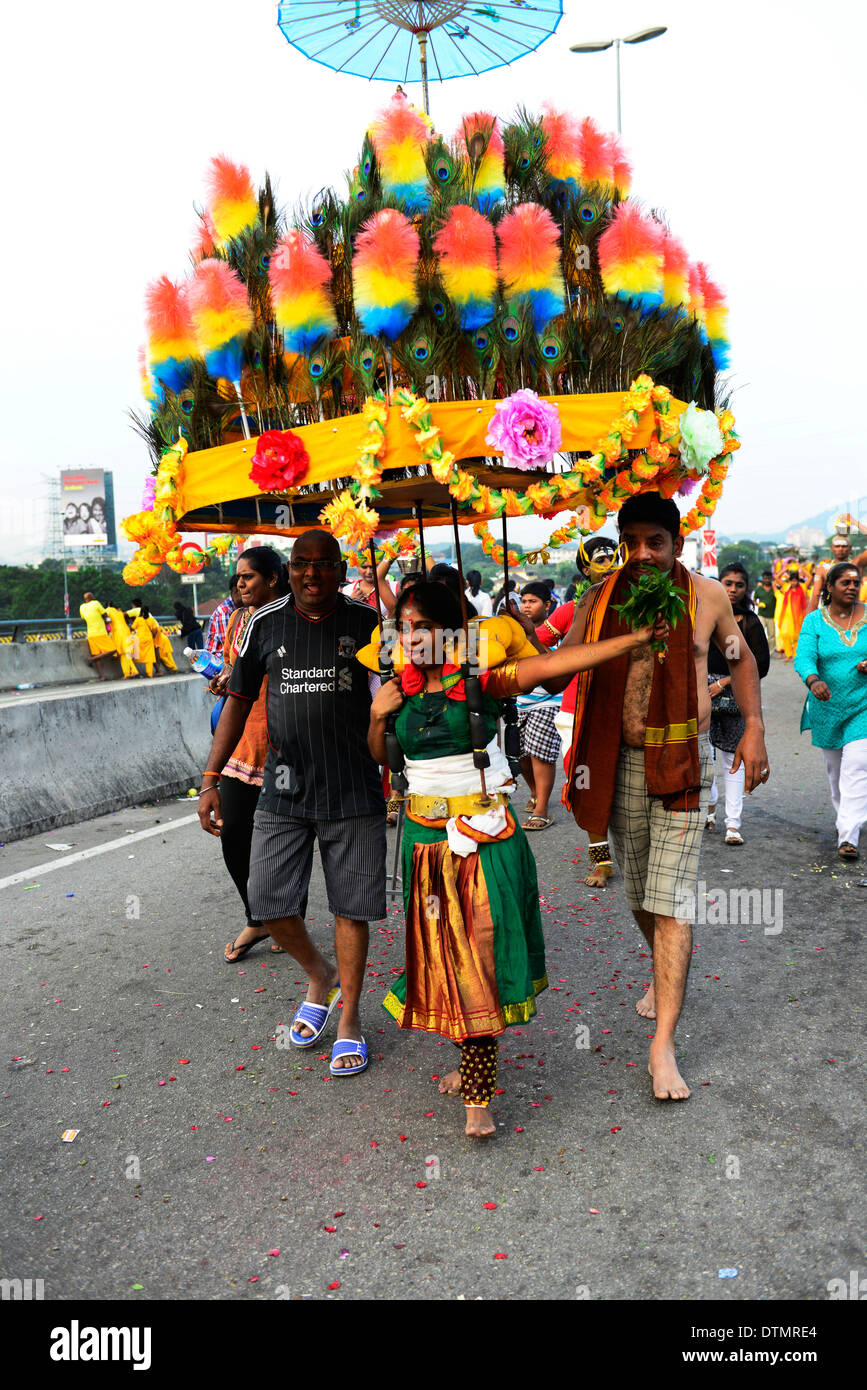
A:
(349, 516)
(402, 544)
(156, 531)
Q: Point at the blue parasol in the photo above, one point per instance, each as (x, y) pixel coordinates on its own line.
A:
(409, 40)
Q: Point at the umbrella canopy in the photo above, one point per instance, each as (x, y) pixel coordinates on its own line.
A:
(410, 40)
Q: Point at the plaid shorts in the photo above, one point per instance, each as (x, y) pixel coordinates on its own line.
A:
(658, 850)
(353, 861)
(539, 737)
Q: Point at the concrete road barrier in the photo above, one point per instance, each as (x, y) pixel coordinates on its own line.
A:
(74, 754)
(61, 663)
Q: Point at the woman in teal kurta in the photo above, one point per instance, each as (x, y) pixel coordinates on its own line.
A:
(832, 662)
(474, 948)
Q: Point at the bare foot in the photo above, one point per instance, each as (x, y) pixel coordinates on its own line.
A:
(317, 993)
(479, 1123)
(451, 1085)
(668, 1084)
(646, 1006)
(599, 876)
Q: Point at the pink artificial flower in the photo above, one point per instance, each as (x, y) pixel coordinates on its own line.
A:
(526, 430)
(147, 497)
(687, 487)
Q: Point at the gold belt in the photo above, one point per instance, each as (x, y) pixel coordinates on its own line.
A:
(444, 807)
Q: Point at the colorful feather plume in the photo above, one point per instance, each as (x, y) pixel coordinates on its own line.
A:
(233, 206)
(631, 258)
(620, 166)
(480, 139)
(675, 274)
(530, 263)
(171, 339)
(204, 237)
(384, 274)
(146, 381)
(467, 250)
(595, 154)
(562, 146)
(716, 318)
(300, 278)
(222, 317)
(399, 136)
(696, 299)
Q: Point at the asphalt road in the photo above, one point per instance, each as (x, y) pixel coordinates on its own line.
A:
(210, 1164)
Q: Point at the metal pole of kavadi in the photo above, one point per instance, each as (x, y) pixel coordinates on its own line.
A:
(472, 680)
(511, 732)
(393, 750)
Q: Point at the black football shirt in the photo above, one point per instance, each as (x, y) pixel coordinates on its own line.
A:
(318, 766)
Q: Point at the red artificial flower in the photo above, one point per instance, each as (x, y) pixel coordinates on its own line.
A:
(280, 460)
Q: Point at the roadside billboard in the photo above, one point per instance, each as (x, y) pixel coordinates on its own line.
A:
(86, 508)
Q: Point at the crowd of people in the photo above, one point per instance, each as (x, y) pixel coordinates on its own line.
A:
(311, 726)
(132, 635)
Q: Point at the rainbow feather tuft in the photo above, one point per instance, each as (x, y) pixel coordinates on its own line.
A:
(480, 140)
(399, 136)
(148, 388)
(204, 237)
(631, 258)
(595, 153)
(171, 338)
(384, 274)
(233, 206)
(222, 317)
(300, 278)
(696, 299)
(620, 166)
(467, 250)
(716, 318)
(562, 146)
(675, 274)
(530, 263)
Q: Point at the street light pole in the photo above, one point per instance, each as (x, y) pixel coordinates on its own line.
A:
(599, 45)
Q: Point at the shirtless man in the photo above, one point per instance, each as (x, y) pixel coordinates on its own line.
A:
(841, 549)
(673, 837)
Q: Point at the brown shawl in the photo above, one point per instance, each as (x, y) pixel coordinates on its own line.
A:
(671, 759)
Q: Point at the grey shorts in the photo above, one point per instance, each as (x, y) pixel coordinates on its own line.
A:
(353, 861)
(658, 850)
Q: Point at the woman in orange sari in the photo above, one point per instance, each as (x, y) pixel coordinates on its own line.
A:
(261, 577)
(793, 610)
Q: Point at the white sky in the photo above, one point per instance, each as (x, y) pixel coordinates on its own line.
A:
(745, 122)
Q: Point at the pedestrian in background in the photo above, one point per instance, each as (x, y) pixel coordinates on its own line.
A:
(219, 623)
(477, 596)
(726, 723)
(832, 662)
(191, 628)
(98, 639)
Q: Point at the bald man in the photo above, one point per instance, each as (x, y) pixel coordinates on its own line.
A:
(320, 784)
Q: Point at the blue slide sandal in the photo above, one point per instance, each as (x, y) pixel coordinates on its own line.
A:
(316, 1016)
(345, 1047)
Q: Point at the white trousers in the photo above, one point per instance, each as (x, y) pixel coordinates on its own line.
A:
(734, 788)
(847, 774)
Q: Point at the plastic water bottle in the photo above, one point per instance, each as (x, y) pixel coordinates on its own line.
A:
(206, 663)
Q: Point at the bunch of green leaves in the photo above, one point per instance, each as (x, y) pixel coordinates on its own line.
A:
(654, 594)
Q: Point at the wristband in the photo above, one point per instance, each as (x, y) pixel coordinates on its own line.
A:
(810, 679)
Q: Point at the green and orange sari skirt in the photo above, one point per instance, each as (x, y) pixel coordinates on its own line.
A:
(475, 956)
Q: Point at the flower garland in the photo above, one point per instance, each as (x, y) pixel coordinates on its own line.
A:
(402, 544)
(349, 516)
(155, 529)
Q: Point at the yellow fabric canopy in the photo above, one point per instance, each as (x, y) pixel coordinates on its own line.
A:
(218, 475)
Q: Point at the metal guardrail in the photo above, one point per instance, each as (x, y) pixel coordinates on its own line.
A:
(55, 629)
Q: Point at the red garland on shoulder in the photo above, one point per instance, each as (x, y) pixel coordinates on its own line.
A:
(412, 681)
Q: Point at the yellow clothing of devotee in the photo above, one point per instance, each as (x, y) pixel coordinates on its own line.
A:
(793, 609)
(92, 613)
(145, 642)
(98, 639)
(164, 648)
(778, 607)
(123, 641)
